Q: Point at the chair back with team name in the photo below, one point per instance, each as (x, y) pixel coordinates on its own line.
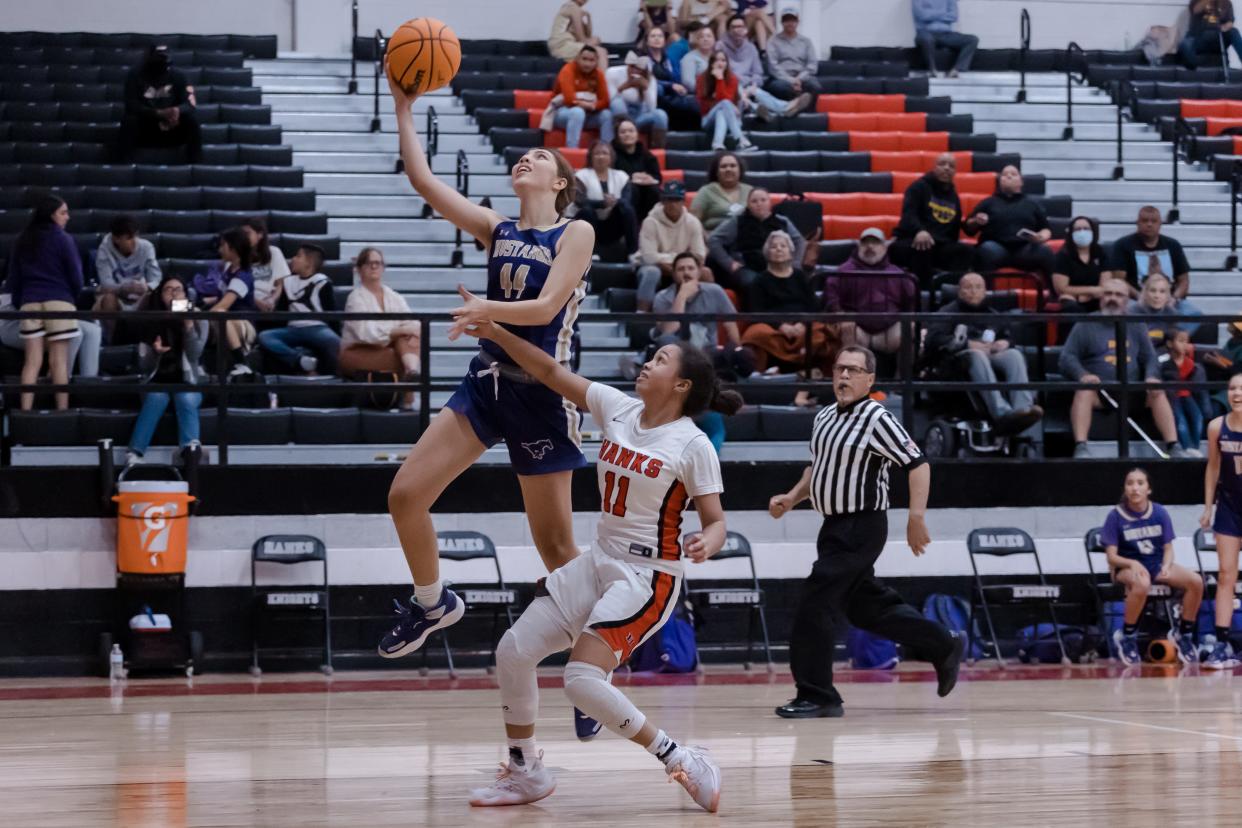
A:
(274, 603)
(479, 596)
(748, 597)
(1002, 589)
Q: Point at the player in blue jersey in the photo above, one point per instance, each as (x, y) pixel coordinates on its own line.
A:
(536, 277)
(1138, 539)
(1222, 487)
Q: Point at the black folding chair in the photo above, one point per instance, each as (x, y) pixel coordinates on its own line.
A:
(465, 545)
(748, 598)
(1107, 591)
(272, 601)
(1006, 542)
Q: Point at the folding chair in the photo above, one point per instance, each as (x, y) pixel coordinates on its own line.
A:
(1006, 542)
(749, 598)
(1205, 542)
(464, 545)
(272, 600)
(1106, 590)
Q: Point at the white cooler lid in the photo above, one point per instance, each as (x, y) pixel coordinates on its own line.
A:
(154, 486)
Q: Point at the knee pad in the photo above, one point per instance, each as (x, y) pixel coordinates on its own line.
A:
(519, 686)
(587, 687)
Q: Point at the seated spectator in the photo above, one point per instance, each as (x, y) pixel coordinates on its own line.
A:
(933, 29)
(736, 247)
(711, 14)
(672, 98)
(725, 193)
(159, 109)
(718, 101)
(679, 46)
(1211, 30)
(571, 33)
(696, 61)
(871, 284)
(305, 344)
(1090, 357)
(792, 61)
(1012, 228)
(126, 266)
(267, 263)
(759, 24)
(745, 62)
(603, 200)
(1137, 537)
(1147, 251)
(634, 92)
(233, 290)
(1228, 360)
(981, 350)
(170, 351)
(1191, 408)
(688, 294)
(1078, 268)
(782, 288)
(1156, 300)
(653, 14)
(45, 274)
(640, 164)
(378, 345)
(581, 100)
(927, 238)
(667, 232)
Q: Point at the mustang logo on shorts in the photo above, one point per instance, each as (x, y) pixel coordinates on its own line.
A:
(538, 448)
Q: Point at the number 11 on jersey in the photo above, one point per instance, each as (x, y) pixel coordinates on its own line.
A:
(622, 485)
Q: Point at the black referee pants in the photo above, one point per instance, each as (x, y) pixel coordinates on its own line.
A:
(843, 583)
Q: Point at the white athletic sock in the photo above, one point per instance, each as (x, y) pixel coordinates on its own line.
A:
(522, 753)
(662, 747)
(428, 596)
(587, 687)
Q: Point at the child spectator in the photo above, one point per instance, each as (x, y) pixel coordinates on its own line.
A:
(581, 99)
(126, 266)
(307, 344)
(235, 291)
(716, 90)
(267, 263)
(1191, 409)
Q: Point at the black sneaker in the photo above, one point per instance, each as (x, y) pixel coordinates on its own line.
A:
(804, 709)
(585, 727)
(946, 671)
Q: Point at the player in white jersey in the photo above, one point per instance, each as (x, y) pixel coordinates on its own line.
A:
(605, 603)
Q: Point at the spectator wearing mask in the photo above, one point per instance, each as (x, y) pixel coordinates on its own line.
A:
(927, 238)
(1211, 29)
(634, 92)
(667, 232)
(1078, 268)
(782, 288)
(159, 109)
(745, 62)
(934, 22)
(1148, 251)
(981, 350)
(305, 344)
(581, 100)
(235, 293)
(45, 274)
(725, 193)
(1012, 228)
(267, 263)
(758, 20)
(711, 14)
(643, 168)
(718, 101)
(688, 294)
(868, 282)
(696, 61)
(126, 266)
(792, 61)
(1090, 357)
(571, 33)
(603, 201)
(170, 351)
(671, 96)
(736, 247)
(378, 345)
(1191, 408)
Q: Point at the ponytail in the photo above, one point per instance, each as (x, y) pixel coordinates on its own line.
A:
(725, 400)
(705, 389)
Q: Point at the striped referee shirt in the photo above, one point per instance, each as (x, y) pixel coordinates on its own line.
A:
(852, 448)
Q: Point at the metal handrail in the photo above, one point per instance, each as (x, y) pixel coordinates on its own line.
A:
(353, 50)
(461, 179)
(380, 45)
(1071, 50)
(1121, 99)
(433, 146)
(1235, 193)
(1181, 130)
(1024, 30)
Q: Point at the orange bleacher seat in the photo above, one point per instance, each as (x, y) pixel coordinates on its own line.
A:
(1211, 108)
(880, 204)
(875, 141)
(915, 162)
(870, 122)
(556, 138)
(970, 201)
(841, 228)
(659, 156)
(839, 204)
(576, 156)
(1028, 286)
(528, 99)
(690, 198)
(677, 175)
(1215, 126)
(860, 103)
(1237, 145)
(984, 183)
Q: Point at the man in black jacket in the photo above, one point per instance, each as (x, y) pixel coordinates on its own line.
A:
(159, 109)
(981, 349)
(927, 238)
(1012, 228)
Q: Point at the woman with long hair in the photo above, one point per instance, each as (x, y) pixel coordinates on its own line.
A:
(641, 165)
(235, 292)
(536, 279)
(267, 264)
(605, 603)
(45, 274)
(1222, 490)
(725, 194)
(718, 96)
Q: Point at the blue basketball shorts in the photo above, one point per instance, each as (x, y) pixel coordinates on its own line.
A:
(540, 428)
(1227, 520)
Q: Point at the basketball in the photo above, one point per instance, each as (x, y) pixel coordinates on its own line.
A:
(423, 55)
(1161, 651)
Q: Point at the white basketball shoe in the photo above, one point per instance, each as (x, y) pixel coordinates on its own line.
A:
(516, 785)
(698, 774)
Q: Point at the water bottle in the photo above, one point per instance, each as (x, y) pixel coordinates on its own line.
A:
(116, 663)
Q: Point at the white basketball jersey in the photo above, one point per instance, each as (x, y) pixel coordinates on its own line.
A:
(647, 477)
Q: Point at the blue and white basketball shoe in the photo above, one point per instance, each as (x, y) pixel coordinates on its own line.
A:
(416, 623)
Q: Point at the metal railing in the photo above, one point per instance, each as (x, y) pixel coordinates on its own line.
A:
(907, 380)
(1024, 31)
(433, 146)
(353, 49)
(1121, 92)
(1071, 51)
(1235, 193)
(1181, 131)
(380, 45)
(461, 180)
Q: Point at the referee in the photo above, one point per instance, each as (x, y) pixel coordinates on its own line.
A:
(853, 445)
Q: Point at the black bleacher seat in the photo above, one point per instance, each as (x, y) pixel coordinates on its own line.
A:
(180, 221)
(321, 426)
(250, 426)
(260, 176)
(230, 198)
(605, 275)
(164, 175)
(167, 198)
(342, 276)
(302, 223)
(320, 392)
(207, 175)
(391, 427)
(96, 424)
(222, 220)
(45, 428)
(180, 246)
(286, 198)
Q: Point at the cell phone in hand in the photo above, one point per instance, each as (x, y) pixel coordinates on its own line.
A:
(1024, 233)
(180, 305)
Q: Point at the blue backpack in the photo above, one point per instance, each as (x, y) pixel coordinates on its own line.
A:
(954, 613)
(1038, 643)
(672, 649)
(870, 652)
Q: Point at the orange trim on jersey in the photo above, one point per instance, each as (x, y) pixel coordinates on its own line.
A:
(624, 636)
(669, 532)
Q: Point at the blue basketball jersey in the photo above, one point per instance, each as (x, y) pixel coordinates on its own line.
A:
(1229, 483)
(518, 265)
(1138, 536)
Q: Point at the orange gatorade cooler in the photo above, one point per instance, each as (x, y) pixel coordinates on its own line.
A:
(153, 523)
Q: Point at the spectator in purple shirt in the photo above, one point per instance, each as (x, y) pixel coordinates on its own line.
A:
(870, 283)
(45, 274)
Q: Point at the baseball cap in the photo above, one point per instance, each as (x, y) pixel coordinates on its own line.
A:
(641, 61)
(872, 233)
(672, 190)
(1235, 327)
